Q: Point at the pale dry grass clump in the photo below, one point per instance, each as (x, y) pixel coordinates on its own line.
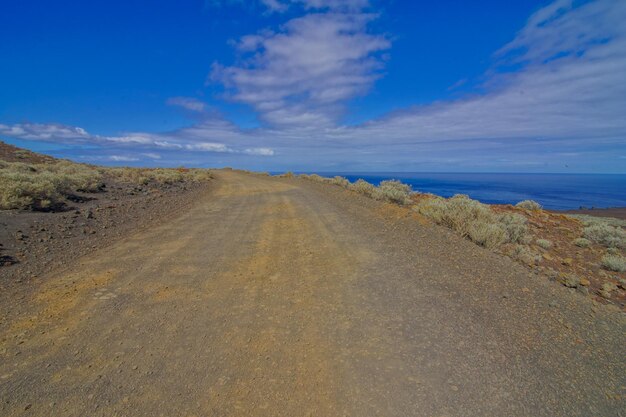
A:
(529, 205)
(475, 221)
(340, 181)
(524, 254)
(41, 186)
(616, 263)
(605, 234)
(159, 176)
(393, 191)
(312, 177)
(544, 243)
(581, 242)
(363, 187)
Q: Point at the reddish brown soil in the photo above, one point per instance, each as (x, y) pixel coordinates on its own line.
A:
(12, 153)
(564, 258)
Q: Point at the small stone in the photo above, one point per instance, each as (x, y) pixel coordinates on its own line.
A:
(584, 282)
(567, 261)
(547, 257)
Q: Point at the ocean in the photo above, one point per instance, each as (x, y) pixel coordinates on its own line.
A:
(552, 191)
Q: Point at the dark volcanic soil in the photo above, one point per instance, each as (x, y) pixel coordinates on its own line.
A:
(34, 243)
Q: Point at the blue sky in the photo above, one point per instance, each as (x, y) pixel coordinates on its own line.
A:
(325, 85)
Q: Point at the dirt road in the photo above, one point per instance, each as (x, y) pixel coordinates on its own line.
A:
(278, 297)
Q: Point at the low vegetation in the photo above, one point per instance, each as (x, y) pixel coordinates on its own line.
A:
(565, 248)
(599, 231)
(524, 254)
(544, 243)
(363, 187)
(581, 242)
(474, 220)
(44, 186)
(393, 191)
(158, 176)
(529, 205)
(340, 181)
(616, 263)
(47, 186)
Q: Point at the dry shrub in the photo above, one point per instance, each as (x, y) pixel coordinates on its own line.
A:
(581, 242)
(544, 243)
(340, 181)
(22, 153)
(363, 187)
(525, 255)
(166, 176)
(616, 263)
(603, 233)
(313, 177)
(19, 190)
(393, 191)
(159, 176)
(41, 186)
(529, 205)
(474, 220)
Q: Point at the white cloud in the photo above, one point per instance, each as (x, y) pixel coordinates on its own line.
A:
(44, 132)
(193, 139)
(259, 151)
(303, 74)
(122, 158)
(208, 147)
(188, 103)
(572, 85)
(344, 5)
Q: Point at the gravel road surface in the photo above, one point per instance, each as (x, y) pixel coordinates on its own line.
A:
(282, 297)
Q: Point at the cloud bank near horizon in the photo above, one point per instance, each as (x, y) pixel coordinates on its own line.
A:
(555, 97)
